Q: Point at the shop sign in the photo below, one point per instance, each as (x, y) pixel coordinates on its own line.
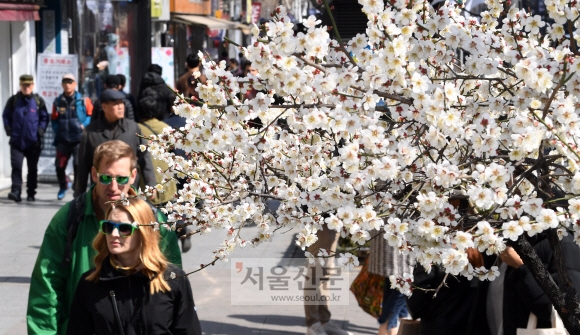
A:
(156, 9)
(160, 10)
(256, 8)
(51, 68)
(49, 72)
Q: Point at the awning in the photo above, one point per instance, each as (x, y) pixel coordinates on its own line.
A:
(19, 12)
(211, 22)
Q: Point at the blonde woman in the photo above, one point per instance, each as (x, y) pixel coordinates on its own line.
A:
(133, 289)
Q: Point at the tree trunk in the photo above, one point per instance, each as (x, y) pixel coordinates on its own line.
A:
(569, 315)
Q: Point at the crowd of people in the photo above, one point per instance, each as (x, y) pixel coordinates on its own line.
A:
(130, 281)
(74, 286)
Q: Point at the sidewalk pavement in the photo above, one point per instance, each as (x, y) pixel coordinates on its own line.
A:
(5, 184)
(22, 230)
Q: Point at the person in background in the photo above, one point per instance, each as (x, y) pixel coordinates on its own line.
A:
(112, 126)
(71, 113)
(25, 120)
(128, 96)
(386, 261)
(318, 314)
(128, 256)
(113, 82)
(65, 254)
(150, 125)
(523, 295)
(154, 85)
(187, 82)
(234, 67)
(450, 311)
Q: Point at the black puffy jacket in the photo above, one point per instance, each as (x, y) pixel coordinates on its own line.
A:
(140, 312)
(523, 295)
(153, 85)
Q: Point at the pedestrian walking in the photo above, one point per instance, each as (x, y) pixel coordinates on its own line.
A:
(187, 83)
(386, 261)
(133, 289)
(150, 125)
(317, 314)
(112, 126)
(153, 84)
(128, 96)
(71, 113)
(25, 120)
(66, 253)
(113, 82)
(452, 310)
(523, 295)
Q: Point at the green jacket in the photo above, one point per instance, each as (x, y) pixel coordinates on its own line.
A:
(53, 286)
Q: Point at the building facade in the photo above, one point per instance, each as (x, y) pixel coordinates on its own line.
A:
(17, 57)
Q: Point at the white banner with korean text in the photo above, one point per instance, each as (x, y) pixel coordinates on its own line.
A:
(49, 71)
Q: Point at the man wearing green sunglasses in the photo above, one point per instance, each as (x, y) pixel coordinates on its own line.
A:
(54, 281)
(112, 125)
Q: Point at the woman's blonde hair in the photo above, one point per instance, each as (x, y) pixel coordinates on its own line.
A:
(154, 262)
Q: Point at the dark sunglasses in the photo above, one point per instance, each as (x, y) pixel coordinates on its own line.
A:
(105, 179)
(125, 229)
(68, 81)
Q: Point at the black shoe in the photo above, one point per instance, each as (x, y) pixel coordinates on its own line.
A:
(30, 198)
(14, 196)
(185, 244)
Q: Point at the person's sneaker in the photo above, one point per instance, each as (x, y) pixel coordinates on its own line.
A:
(30, 198)
(14, 196)
(332, 329)
(316, 329)
(61, 194)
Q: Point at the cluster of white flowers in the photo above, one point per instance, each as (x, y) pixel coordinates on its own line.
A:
(394, 130)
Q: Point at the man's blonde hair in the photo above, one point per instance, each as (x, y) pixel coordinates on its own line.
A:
(112, 151)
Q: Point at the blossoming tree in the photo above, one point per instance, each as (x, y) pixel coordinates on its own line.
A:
(393, 130)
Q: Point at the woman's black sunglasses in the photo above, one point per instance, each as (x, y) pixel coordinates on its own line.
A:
(125, 229)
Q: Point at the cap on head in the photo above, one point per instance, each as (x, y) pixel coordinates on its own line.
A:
(111, 95)
(69, 76)
(26, 79)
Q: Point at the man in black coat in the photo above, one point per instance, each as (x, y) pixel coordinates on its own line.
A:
(153, 85)
(523, 295)
(112, 126)
(113, 82)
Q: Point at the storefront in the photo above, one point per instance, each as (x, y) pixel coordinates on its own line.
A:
(110, 37)
(17, 57)
(193, 29)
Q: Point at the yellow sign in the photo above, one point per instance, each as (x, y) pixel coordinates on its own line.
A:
(156, 8)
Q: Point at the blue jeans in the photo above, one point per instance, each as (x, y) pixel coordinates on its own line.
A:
(394, 306)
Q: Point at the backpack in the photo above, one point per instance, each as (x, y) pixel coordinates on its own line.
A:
(76, 215)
